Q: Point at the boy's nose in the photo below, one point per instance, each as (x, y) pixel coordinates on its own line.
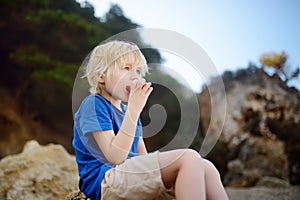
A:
(135, 75)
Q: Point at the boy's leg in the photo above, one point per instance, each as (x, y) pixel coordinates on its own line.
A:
(193, 177)
(181, 169)
(214, 186)
(136, 178)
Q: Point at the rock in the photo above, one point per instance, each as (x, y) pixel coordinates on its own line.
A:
(272, 182)
(49, 172)
(76, 195)
(264, 193)
(39, 172)
(261, 131)
(253, 193)
(258, 157)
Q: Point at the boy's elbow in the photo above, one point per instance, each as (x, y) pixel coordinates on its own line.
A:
(116, 160)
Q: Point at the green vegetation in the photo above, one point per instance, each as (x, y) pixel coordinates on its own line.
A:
(44, 42)
(43, 45)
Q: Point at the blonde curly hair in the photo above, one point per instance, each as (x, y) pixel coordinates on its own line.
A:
(110, 55)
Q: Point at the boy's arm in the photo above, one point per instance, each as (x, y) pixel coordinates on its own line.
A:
(116, 147)
(142, 147)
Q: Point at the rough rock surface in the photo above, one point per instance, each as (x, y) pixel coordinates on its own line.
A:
(39, 172)
(261, 131)
(49, 172)
(255, 193)
(76, 195)
(264, 193)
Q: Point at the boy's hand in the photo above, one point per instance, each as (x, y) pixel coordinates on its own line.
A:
(139, 93)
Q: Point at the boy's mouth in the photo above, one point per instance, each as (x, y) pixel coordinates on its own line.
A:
(128, 88)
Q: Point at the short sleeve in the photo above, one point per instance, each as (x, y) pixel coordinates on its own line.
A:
(93, 115)
(139, 129)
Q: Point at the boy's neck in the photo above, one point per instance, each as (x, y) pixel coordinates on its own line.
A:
(116, 103)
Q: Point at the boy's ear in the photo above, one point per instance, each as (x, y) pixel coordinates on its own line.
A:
(101, 80)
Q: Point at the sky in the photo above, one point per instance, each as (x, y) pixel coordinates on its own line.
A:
(231, 32)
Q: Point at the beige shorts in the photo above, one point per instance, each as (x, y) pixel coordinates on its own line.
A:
(136, 178)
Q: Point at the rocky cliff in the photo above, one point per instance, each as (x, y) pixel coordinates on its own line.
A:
(18, 126)
(261, 131)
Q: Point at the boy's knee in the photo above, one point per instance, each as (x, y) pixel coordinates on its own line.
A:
(208, 163)
(210, 166)
(191, 155)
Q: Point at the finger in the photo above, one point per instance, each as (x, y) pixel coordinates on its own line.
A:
(149, 90)
(146, 85)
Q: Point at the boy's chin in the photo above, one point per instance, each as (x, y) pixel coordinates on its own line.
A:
(125, 100)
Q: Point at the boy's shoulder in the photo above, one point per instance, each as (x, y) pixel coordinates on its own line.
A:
(94, 98)
(93, 101)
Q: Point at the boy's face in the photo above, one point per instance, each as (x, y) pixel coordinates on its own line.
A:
(118, 83)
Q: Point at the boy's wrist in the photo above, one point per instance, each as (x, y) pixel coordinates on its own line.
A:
(133, 113)
(130, 122)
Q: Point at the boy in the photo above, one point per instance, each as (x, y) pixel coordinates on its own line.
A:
(112, 159)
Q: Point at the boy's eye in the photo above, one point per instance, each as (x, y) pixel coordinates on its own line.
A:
(138, 71)
(126, 68)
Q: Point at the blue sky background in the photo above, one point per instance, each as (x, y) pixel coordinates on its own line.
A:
(232, 32)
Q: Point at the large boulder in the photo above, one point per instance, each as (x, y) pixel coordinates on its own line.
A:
(39, 172)
(261, 131)
(257, 158)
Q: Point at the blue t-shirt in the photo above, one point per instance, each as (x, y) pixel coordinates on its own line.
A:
(95, 114)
